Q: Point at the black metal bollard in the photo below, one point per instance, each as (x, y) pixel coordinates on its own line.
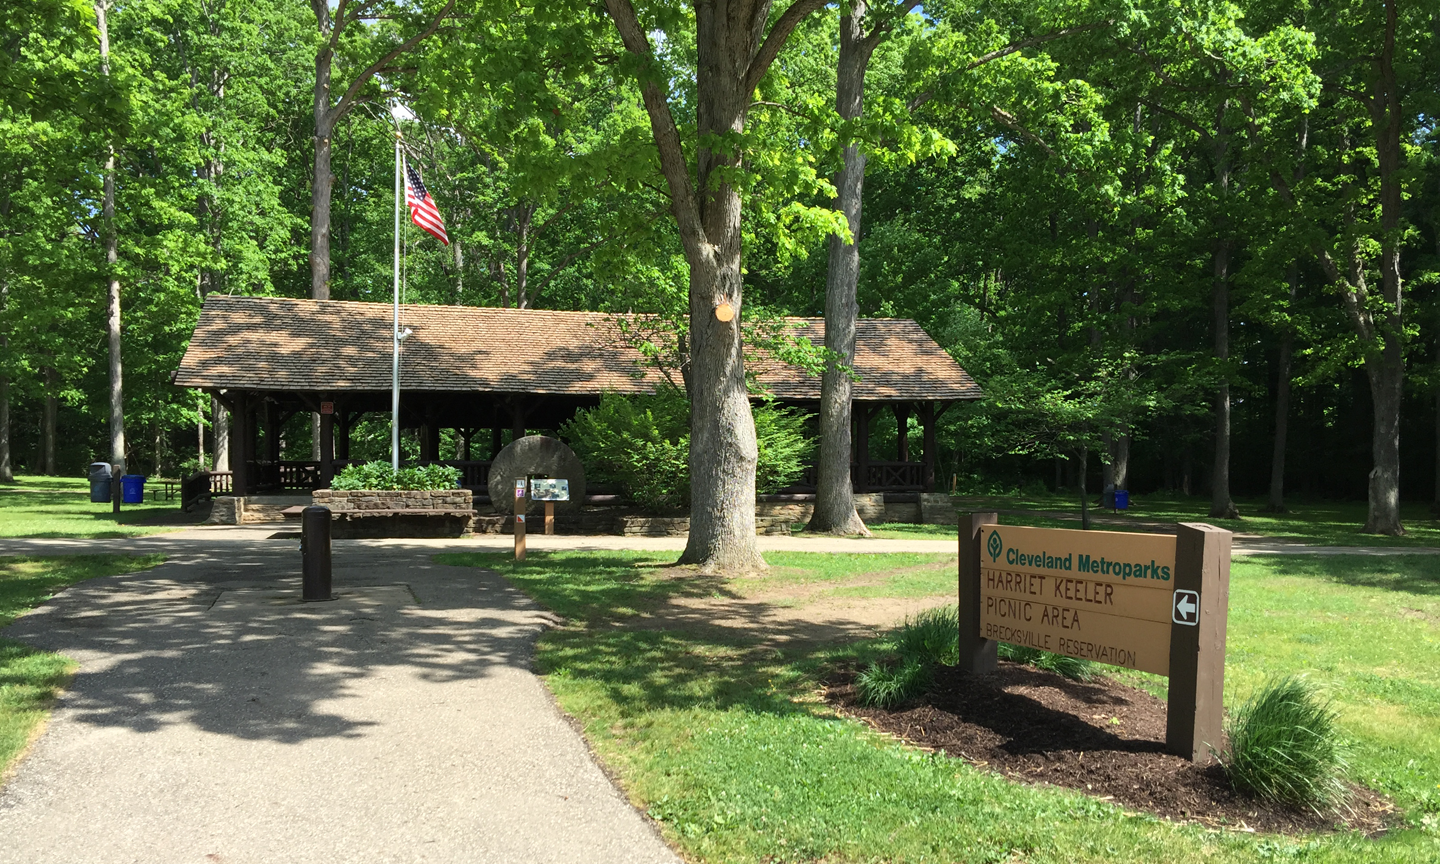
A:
(315, 553)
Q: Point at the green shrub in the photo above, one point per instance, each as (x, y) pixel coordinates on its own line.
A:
(641, 444)
(933, 637)
(882, 686)
(1074, 668)
(379, 475)
(1285, 746)
(784, 448)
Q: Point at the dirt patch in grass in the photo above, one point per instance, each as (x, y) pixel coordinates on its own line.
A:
(787, 614)
(1100, 737)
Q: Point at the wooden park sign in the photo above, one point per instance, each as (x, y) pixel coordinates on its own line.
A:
(1153, 602)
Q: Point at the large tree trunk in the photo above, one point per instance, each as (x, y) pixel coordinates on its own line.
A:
(322, 181)
(1434, 507)
(112, 317)
(1276, 503)
(321, 185)
(7, 472)
(47, 424)
(834, 496)
(723, 450)
(523, 215)
(1122, 462)
(1387, 383)
(1107, 468)
(459, 270)
(1221, 507)
(731, 60)
(1385, 367)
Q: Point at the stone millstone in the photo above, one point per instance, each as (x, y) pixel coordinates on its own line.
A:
(536, 456)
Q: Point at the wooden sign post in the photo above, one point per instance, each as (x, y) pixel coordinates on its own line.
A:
(520, 506)
(1152, 602)
(1197, 641)
(550, 490)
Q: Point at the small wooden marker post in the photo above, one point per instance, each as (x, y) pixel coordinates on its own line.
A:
(1138, 601)
(520, 504)
(549, 517)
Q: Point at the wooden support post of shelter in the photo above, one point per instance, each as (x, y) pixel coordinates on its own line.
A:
(862, 448)
(902, 430)
(928, 416)
(327, 443)
(272, 432)
(342, 444)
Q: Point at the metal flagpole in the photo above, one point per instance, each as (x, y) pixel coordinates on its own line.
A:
(395, 332)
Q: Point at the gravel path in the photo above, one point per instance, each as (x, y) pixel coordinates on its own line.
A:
(217, 719)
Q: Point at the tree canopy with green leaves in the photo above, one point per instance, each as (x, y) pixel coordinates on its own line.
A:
(1149, 229)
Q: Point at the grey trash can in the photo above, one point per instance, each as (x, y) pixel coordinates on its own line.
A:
(100, 482)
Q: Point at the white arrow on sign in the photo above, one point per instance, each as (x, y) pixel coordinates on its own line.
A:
(1187, 608)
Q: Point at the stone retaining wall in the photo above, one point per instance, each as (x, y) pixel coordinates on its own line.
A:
(349, 500)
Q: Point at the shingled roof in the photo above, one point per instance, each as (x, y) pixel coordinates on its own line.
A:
(279, 344)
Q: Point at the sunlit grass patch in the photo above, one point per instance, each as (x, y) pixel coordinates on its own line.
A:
(727, 743)
(61, 507)
(29, 679)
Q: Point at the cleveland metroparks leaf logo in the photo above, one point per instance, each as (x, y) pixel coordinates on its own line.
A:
(995, 546)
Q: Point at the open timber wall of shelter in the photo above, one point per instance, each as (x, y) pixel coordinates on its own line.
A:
(485, 369)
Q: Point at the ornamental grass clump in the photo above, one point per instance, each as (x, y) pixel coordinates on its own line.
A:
(933, 637)
(1285, 747)
(930, 639)
(1074, 668)
(882, 686)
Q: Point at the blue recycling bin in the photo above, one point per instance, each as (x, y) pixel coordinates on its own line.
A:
(132, 489)
(1122, 499)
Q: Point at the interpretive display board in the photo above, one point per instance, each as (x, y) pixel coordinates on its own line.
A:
(550, 490)
(1152, 602)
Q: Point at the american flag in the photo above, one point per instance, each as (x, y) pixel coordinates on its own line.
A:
(423, 211)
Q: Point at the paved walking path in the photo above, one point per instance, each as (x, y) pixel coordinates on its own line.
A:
(212, 538)
(216, 719)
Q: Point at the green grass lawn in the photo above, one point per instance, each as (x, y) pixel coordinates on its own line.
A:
(60, 507)
(728, 746)
(1323, 523)
(29, 679)
(912, 531)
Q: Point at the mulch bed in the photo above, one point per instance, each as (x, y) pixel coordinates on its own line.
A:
(1100, 737)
